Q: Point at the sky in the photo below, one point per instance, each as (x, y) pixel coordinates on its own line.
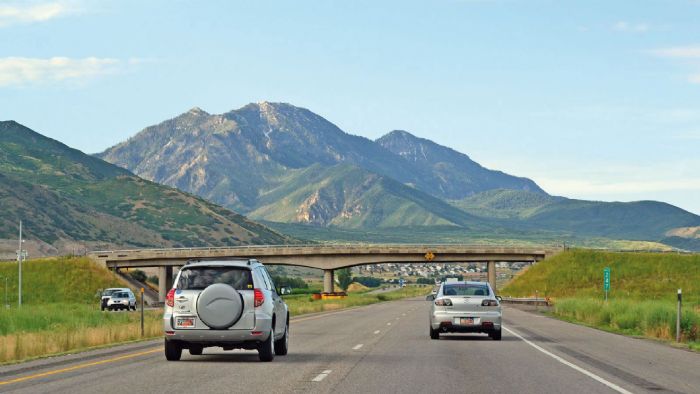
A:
(591, 99)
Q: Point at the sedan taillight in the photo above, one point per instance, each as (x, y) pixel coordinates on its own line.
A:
(259, 297)
(443, 302)
(489, 303)
(170, 298)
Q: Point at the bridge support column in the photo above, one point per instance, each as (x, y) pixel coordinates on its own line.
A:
(328, 281)
(492, 274)
(165, 281)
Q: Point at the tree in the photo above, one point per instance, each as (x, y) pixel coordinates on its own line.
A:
(368, 281)
(344, 278)
(138, 275)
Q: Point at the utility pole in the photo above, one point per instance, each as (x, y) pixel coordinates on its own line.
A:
(19, 259)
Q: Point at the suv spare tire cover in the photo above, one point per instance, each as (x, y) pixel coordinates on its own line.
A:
(219, 306)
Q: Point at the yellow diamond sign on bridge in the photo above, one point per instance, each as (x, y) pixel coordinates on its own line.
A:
(429, 256)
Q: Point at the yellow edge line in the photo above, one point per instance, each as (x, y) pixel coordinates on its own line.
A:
(79, 366)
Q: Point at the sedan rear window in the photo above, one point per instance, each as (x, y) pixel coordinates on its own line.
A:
(198, 278)
(466, 290)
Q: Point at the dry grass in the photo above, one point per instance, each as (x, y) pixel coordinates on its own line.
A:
(25, 345)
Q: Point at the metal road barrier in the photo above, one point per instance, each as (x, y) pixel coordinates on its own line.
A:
(527, 301)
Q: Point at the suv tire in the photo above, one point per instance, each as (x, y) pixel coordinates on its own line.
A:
(495, 335)
(282, 344)
(196, 350)
(434, 334)
(173, 350)
(266, 349)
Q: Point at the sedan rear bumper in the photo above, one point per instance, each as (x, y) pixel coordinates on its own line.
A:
(450, 321)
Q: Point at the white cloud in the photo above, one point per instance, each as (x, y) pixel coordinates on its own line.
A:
(29, 12)
(683, 52)
(631, 27)
(689, 54)
(22, 71)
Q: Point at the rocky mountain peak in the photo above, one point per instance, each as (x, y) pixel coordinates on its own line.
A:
(197, 112)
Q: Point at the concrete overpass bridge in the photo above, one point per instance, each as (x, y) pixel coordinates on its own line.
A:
(327, 257)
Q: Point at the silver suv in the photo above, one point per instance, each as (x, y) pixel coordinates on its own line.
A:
(107, 294)
(230, 304)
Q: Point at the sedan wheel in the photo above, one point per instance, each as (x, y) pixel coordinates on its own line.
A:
(434, 334)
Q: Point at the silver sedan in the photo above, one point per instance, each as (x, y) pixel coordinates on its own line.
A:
(465, 307)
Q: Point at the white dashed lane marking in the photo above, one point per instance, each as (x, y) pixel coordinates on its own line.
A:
(321, 376)
(357, 347)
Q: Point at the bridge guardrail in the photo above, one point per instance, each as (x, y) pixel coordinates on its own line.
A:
(350, 245)
(527, 301)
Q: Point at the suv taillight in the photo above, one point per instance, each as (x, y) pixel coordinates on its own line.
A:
(443, 302)
(170, 298)
(489, 303)
(259, 297)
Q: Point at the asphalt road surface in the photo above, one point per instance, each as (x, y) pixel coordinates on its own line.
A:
(382, 348)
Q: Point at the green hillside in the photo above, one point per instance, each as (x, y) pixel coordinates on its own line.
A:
(63, 194)
(641, 220)
(346, 196)
(639, 276)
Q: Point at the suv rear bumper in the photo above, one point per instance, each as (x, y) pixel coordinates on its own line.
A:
(209, 337)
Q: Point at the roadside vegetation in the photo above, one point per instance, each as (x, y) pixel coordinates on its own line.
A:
(642, 297)
(60, 310)
(303, 303)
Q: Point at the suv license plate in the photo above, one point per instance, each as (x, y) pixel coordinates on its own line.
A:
(468, 321)
(184, 322)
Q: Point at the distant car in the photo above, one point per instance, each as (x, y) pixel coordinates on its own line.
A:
(465, 306)
(124, 299)
(107, 293)
(229, 304)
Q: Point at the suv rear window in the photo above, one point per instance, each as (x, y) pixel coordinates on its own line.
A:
(465, 290)
(198, 278)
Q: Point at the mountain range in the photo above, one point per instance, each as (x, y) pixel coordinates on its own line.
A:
(287, 166)
(65, 196)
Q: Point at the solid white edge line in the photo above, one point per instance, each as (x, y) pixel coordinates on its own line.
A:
(574, 366)
(357, 347)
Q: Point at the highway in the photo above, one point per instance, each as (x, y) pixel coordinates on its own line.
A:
(382, 348)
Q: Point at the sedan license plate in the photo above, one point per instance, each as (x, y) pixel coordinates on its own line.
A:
(468, 321)
(184, 322)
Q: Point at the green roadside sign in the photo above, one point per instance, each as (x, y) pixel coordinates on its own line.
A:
(606, 280)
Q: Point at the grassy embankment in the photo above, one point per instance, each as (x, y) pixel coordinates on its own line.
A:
(642, 299)
(60, 311)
